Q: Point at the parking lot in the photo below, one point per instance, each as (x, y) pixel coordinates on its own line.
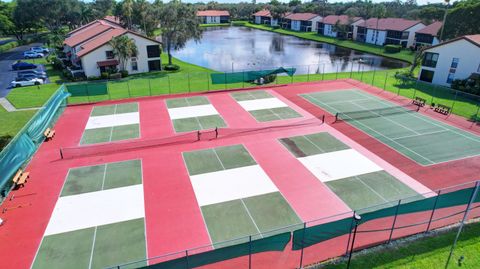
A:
(6, 61)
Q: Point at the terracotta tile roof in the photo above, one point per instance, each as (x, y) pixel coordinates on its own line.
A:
(263, 13)
(395, 24)
(473, 38)
(90, 32)
(113, 19)
(212, 13)
(301, 16)
(100, 41)
(343, 19)
(431, 29)
(82, 27)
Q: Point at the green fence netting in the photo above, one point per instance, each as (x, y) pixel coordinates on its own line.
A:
(236, 77)
(319, 233)
(272, 243)
(88, 89)
(27, 141)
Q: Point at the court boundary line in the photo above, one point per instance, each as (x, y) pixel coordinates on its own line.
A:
(431, 162)
(251, 218)
(315, 145)
(370, 188)
(93, 247)
(424, 134)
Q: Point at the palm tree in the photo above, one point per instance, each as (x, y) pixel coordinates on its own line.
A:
(124, 48)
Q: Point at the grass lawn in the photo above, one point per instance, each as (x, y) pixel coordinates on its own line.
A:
(12, 122)
(426, 253)
(404, 55)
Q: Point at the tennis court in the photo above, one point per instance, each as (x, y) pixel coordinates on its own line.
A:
(264, 107)
(422, 139)
(193, 114)
(112, 123)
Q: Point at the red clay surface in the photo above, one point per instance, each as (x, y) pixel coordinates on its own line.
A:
(173, 218)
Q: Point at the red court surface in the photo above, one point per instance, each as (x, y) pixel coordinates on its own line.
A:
(173, 218)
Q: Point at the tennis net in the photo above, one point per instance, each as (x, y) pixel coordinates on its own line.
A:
(375, 113)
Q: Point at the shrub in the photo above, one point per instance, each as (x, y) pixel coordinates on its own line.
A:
(93, 78)
(171, 67)
(124, 73)
(104, 75)
(57, 64)
(8, 46)
(392, 48)
(116, 76)
(270, 78)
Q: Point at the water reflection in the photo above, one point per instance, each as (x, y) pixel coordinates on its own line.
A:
(242, 48)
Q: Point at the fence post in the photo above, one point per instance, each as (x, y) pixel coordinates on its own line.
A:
(323, 72)
(186, 259)
(433, 211)
(477, 117)
(188, 78)
(108, 92)
(394, 221)
(291, 81)
(308, 73)
(208, 82)
(350, 234)
(373, 78)
(361, 74)
(351, 70)
(385, 82)
(455, 99)
(433, 94)
(303, 237)
(415, 89)
(128, 87)
(225, 80)
(88, 94)
(150, 87)
(243, 79)
(250, 252)
(465, 216)
(169, 88)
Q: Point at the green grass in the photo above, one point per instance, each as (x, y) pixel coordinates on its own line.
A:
(426, 253)
(404, 55)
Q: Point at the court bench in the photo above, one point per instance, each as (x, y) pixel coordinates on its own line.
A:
(49, 134)
(20, 178)
(442, 109)
(419, 101)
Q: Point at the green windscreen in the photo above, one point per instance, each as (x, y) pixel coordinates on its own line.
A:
(248, 76)
(88, 89)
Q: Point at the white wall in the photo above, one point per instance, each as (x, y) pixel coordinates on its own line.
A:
(411, 33)
(328, 30)
(355, 28)
(296, 25)
(89, 61)
(213, 19)
(382, 35)
(314, 23)
(274, 22)
(468, 60)
(258, 19)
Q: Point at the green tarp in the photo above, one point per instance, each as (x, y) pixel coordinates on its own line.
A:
(88, 89)
(272, 243)
(236, 77)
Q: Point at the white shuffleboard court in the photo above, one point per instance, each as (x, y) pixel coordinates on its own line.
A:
(265, 103)
(231, 184)
(339, 164)
(113, 120)
(192, 111)
(92, 209)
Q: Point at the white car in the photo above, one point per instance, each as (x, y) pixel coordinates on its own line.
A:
(32, 54)
(39, 50)
(19, 82)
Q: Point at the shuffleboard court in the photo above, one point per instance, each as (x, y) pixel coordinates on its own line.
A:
(422, 139)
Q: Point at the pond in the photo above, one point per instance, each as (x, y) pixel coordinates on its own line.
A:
(242, 48)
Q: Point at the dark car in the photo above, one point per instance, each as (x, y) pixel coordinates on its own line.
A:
(31, 72)
(23, 66)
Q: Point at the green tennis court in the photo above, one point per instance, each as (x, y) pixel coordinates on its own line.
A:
(422, 139)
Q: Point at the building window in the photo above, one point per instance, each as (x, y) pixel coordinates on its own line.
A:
(430, 59)
(109, 54)
(154, 65)
(134, 64)
(450, 78)
(153, 51)
(478, 69)
(453, 69)
(426, 75)
(454, 62)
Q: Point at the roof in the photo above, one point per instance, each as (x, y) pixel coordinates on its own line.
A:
(474, 39)
(100, 41)
(263, 13)
(90, 32)
(301, 16)
(342, 19)
(395, 24)
(212, 13)
(113, 19)
(431, 29)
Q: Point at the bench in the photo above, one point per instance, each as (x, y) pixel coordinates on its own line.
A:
(419, 101)
(442, 109)
(20, 178)
(49, 134)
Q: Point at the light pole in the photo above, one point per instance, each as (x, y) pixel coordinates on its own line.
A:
(444, 19)
(357, 219)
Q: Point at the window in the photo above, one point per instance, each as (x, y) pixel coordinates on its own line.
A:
(450, 78)
(154, 65)
(153, 51)
(134, 64)
(430, 59)
(478, 69)
(426, 75)
(109, 54)
(454, 62)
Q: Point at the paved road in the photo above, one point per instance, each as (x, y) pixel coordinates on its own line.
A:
(6, 61)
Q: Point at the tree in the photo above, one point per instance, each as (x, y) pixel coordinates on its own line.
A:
(278, 11)
(178, 23)
(123, 48)
(294, 3)
(102, 8)
(463, 19)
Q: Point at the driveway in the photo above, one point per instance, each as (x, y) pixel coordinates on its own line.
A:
(6, 61)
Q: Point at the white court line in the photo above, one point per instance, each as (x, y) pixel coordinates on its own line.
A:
(250, 215)
(422, 134)
(199, 124)
(111, 128)
(104, 175)
(93, 247)
(315, 145)
(388, 138)
(351, 100)
(383, 198)
(279, 118)
(218, 158)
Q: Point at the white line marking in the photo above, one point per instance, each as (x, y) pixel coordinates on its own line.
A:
(278, 116)
(250, 215)
(315, 145)
(201, 127)
(93, 247)
(383, 198)
(218, 158)
(104, 175)
(423, 134)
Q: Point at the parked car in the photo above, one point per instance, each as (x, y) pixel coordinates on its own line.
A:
(32, 54)
(35, 72)
(40, 50)
(23, 65)
(19, 82)
(31, 76)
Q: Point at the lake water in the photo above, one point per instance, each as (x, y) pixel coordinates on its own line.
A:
(243, 48)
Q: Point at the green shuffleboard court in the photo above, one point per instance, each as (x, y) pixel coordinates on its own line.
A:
(422, 139)
(236, 197)
(196, 114)
(112, 128)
